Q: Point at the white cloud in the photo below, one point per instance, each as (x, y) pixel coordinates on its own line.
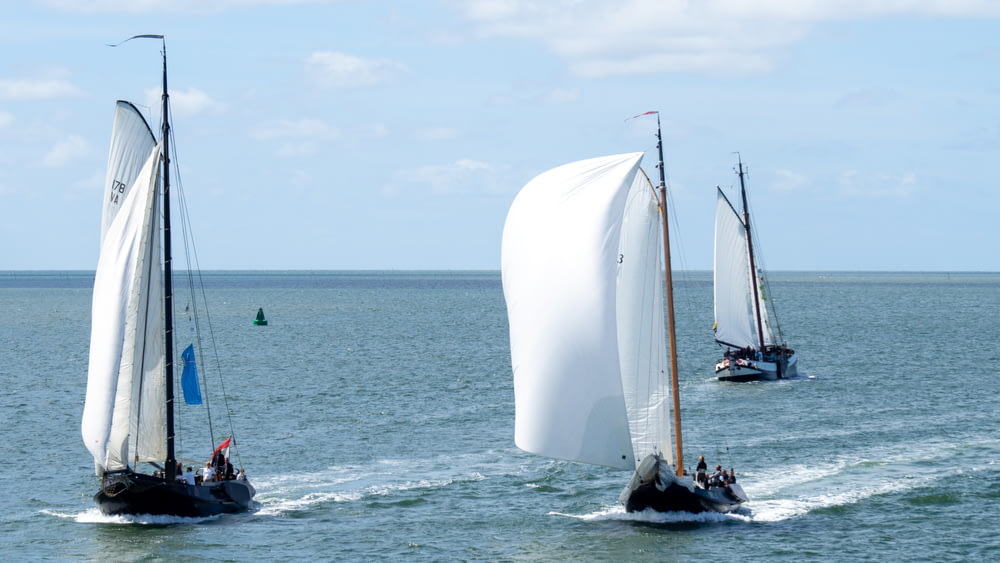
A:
(375, 131)
(167, 6)
(598, 38)
(36, 89)
(563, 96)
(437, 134)
(786, 180)
(283, 128)
(331, 69)
(870, 97)
(5, 119)
(462, 176)
(854, 184)
(185, 102)
(537, 94)
(298, 150)
(65, 151)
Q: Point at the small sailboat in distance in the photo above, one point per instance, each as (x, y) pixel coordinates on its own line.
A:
(260, 320)
(754, 346)
(129, 424)
(585, 291)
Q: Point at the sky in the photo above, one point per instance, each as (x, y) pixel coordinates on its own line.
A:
(354, 134)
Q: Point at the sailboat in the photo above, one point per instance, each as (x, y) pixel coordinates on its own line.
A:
(128, 420)
(585, 289)
(754, 347)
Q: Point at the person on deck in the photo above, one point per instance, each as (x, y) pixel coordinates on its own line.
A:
(715, 479)
(189, 476)
(208, 474)
(700, 472)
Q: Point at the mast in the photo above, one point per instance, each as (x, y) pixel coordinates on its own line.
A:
(753, 265)
(668, 282)
(168, 290)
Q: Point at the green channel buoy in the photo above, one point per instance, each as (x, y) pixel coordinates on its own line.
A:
(260, 320)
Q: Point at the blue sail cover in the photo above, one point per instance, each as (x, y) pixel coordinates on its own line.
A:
(189, 378)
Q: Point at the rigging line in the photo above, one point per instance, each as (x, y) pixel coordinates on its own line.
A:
(761, 275)
(191, 254)
(195, 315)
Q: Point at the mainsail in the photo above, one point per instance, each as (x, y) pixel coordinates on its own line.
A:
(580, 269)
(124, 413)
(736, 325)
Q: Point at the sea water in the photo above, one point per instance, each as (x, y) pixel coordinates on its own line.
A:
(375, 417)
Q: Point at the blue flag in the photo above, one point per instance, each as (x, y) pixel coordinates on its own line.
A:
(189, 379)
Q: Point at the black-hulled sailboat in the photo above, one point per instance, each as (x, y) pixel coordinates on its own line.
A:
(754, 347)
(129, 414)
(585, 291)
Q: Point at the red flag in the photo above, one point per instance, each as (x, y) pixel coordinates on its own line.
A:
(642, 114)
(223, 445)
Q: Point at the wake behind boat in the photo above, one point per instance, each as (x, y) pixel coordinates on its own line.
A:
(754, 346)
(129, 421)
(585, 294)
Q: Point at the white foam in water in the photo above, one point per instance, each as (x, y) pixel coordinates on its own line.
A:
(797, 490)
(288, 493)
(651, 516)
(841, 482)
(95, 516)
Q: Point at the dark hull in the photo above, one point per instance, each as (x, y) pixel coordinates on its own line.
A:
(774, 367)
(136, 493)
(654, 485)
(728, 375)
(677, 498)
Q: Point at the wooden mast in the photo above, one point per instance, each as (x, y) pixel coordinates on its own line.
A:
(669, 284)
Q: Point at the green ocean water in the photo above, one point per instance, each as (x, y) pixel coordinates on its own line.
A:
(376, 413)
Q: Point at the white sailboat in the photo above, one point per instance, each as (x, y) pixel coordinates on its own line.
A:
(754, 348)
(584, 287)
(128, 417)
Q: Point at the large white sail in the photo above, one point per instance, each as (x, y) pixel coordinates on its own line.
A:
(560, 268)
(123, 415)
(735, 309)
(131, 142)
(734, 315)
(641, 330)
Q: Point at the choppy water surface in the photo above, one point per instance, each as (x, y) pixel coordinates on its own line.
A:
(375, 414)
